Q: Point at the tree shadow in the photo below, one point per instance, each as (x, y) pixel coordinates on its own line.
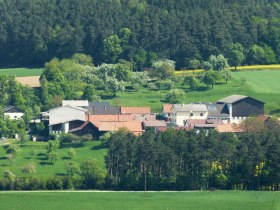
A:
(3, 158)
(42, 158)
(40, 154)
(66, 158)
(202, 88)
(60, 174)
(73, 145)
(4, 165)
(274, 112)
(43, 163)
(103, 145)
(27, 158)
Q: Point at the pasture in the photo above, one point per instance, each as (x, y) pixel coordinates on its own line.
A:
(223, 200)
(35, 152)
(22, 72)
(262, 85)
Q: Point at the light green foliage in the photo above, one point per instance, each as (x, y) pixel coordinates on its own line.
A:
(236, 55)
(192, 82)
(163, 69)
(262, 54)
(82, 59)
(72, 169)
(174, 96)
(13, 149)
(210, 77)
(112, 48)
(71, 153)
(194, 64)
(93, 175)
(217, 63)
(9, 175)
(30, 168)
(52, 156)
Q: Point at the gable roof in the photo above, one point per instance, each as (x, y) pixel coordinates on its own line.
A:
(135, 110)
(189, 108)
(235, 98)
(65, 114)
(33, 81)
(166, 108)
(217, 111)
(12, 109)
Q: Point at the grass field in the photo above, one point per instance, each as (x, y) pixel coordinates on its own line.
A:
(262, 85)
(231, 200)
(22, 72)
(43, 167)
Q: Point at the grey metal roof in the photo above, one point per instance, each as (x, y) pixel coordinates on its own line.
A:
(97, 104)
(232, 99)
(12, 109)
(104, 110)
(217, 111)
(189, 108)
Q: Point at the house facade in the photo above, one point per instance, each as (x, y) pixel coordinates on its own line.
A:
(181, 113)
(13, 113)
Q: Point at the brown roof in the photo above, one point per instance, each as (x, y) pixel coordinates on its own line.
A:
(135, 110)
(144, 117)
(228, 128)
(33, 81)
(166, 108)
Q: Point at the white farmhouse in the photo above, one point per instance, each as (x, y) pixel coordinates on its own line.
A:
(13, 113)
(181, 113)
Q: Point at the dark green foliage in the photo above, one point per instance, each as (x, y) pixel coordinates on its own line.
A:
(33, 32)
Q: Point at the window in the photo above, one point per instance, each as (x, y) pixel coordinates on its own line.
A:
(15, 116)
(191, 114)
(201, 114)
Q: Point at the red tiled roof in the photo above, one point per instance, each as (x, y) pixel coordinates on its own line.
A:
(166, 108)
(135, 127)
(135, 110)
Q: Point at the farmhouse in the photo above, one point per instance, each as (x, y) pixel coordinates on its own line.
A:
(232, 109)
(13, 112)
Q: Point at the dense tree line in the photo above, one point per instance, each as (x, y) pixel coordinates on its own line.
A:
(32, 32)
(193, 160)
(170, 160)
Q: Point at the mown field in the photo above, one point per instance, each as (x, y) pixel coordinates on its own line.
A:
(22, 72)
(262, 85)
(231, 200)
(43, 166)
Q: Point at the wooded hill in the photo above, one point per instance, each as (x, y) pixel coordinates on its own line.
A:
(32, 32)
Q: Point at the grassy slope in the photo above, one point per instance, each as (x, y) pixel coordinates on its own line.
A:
(43, 167)
(22, 72)
(263, 85)
(232, 200)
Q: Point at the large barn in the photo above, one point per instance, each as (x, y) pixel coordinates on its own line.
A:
(240, 107)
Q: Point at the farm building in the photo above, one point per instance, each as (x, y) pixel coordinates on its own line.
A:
(13, 113)
(241, 107)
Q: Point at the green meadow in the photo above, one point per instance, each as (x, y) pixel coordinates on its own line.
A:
(223, 200)
(35, 152)
(22, 72)
(262, 85)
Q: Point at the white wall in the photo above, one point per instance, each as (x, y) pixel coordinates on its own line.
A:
(179, 117)
(14, 116)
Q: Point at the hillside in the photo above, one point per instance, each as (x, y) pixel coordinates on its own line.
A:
(137, 30)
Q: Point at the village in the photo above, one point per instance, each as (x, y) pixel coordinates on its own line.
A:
(81, 117)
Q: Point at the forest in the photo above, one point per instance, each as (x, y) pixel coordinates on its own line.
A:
(32, 32)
